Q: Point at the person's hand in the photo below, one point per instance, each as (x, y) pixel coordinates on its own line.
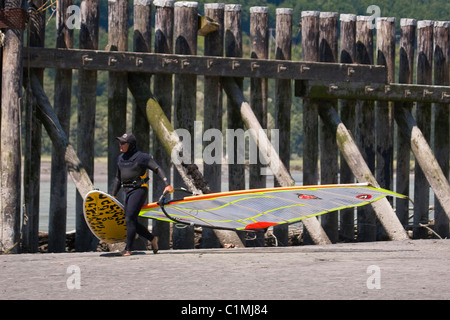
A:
(168, 189)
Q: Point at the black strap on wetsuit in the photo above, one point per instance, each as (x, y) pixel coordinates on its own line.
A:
(134, 184)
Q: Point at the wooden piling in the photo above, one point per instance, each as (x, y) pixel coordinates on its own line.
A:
(87, 94)
(329, 167)
(62, 104)
(441, 134)
(283, 101)
(423, 118)
(212, 164)
(33, 133)
(259, 39)
(48, 117)
(162, 87)
(406, 71)
(347, 55)
(354, 159)
(313, 226)
(142, 42)
(185, 33)
(310, 48)
(384, 119)
(10, 194)
(365, 125)
(233, 48)
(117, 84)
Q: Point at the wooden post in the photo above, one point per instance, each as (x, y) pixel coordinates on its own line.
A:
(162, 84)
(406, 68)
(354, 159)
(384, 119)
(318, 235)
(365, 126)
(384, 154)
(423, 116)
(213, 114)
(347, 55)
(329, 167)
(441, 133)
(283, 101)
(233, 48)
(310, 47)
(87, 94)
(425, 157)
(142, 41)
(48, 117)
(62, 103)
(259, 24)
(117, 85)
(10, 191)
(185, 33)
(33, 131)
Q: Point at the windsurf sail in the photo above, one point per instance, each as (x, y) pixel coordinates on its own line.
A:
(257, 209)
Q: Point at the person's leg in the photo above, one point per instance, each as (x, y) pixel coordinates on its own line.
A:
(135, 199)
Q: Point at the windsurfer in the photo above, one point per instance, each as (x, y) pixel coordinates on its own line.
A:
(132, 176)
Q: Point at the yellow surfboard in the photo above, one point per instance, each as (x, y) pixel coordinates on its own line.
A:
(105, 217)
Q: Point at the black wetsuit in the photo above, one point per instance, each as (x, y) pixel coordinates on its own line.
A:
(132, 175)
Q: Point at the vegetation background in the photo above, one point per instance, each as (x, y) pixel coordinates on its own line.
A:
(418, 9)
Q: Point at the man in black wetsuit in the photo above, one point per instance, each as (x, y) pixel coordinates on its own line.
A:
(132, 176)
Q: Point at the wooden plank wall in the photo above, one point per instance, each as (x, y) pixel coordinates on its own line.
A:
(176, 24)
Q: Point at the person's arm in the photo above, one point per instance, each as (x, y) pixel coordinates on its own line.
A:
(116, 183)
(152, 165)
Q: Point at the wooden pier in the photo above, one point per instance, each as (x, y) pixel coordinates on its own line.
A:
(359, 122)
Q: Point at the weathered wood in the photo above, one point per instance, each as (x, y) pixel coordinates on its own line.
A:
(142, 41)
(117, 84)
(212, 168)
(384, 153)
(329, 167)
(185, 34)
(347, 55)
(406, 68)
(10, 194)
(59, 139)
(423, 118)
(365, 125)
(162, 87)
(259, 38)
(441, 134)
(172, 145)
(62, 103)
(375, 91)
(201, 65)
(276, 165)
(233, 48)
(310, 46)
(283, 101)
(87, 94)
(348, 147)
(32, 154)
(425, 157)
